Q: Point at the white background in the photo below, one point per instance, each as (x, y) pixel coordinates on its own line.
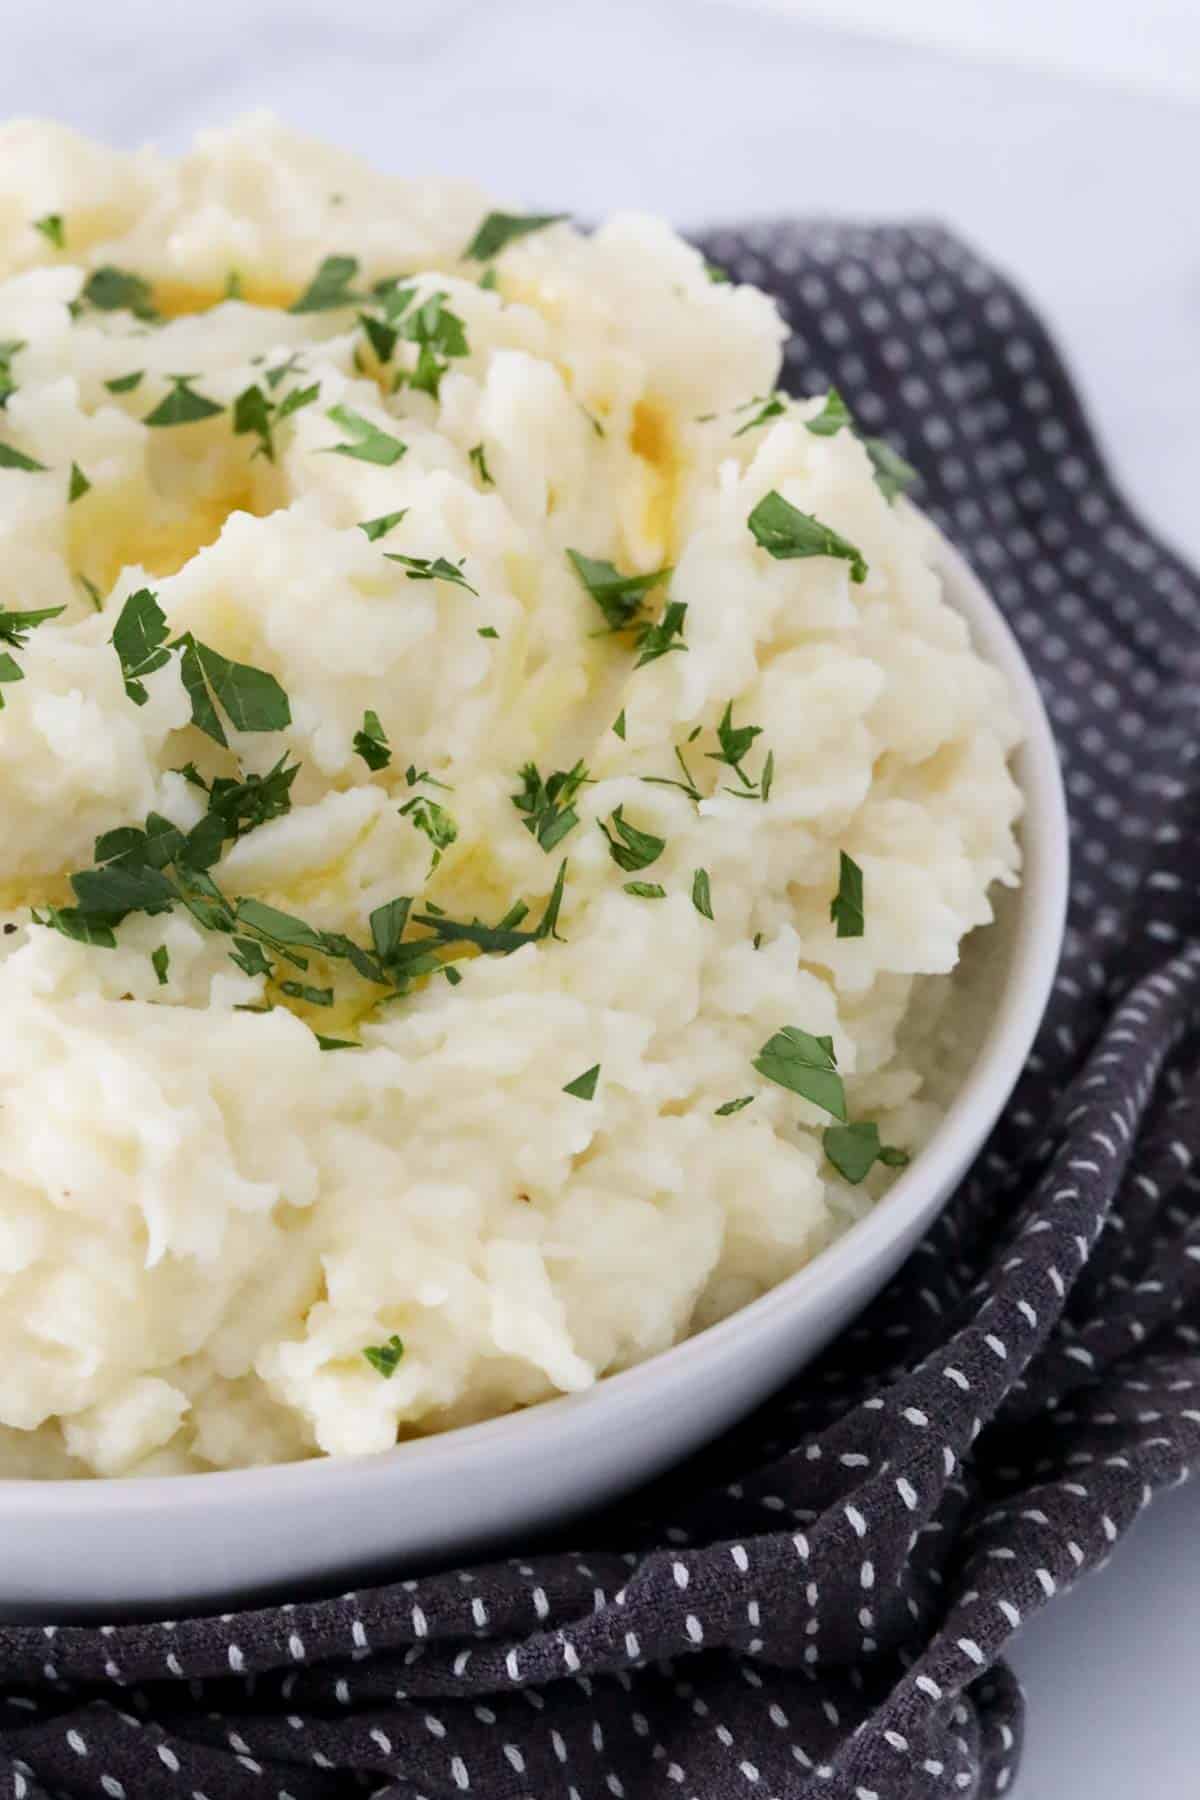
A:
(1061, 136)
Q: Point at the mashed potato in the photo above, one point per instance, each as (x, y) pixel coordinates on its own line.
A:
(438, 967)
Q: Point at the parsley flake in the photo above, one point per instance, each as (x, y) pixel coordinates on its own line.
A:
(78, 485)
(160, 960)
(371, 742)
(619, 597)
(437, 824)
(329, 287)
(374, 529)
(110, 289)
(846, 907)
(833, 417)
(383, 1358)
(500, 229)
(855, 1149)
(9, 348)
(17, 459)
(619, 725)
(769, 408)
(332, 1043)
(139, 639)
(422, 568)
(630, 848)
(368, 444)
(665, 635)
(645, 890)
(14, 629)
(584, 1086)
(701, 893)
(478, 457)
(183, 405)
(251, 699)
(806, 1065)
(125, 384)
(548, 805)
(52, 229)
(893, 475)
(733, 1106)
(785, 532)
(735, 742)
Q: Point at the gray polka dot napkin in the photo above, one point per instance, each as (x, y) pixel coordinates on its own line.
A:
(818, 1606)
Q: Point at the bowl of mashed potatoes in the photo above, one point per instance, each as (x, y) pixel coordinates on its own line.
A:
(497, 798)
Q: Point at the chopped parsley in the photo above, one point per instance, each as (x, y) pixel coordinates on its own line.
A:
(548, 805)
(716, 274)
(806, 1065)
(893, 475)
(478, 457)
(380, 335)
(702, 893)
(439, 335)
(846, 907)
(311, 996)
(183, 405)
(52, 229)
(619, 597)
(619, 725)
(110, 289)
(251, 699)
(500, 229)
(367, 443)
(160, 960)
(255, 413)
(9, 347)
(17, 459)
(139, 638)
(437, 824)
(332, 1043)
(329, 287)
(665, 635)
(374, 529)
(630, 848)
(383, 1358)
(487, 631)
(686, 786)
(769, 408)
(733, 1106)
(646, 890)
(584, 1086)
(785, 532)
(78, 485)
(370, 742)
(833, 417)
(855, 1149)
(735, 742)
(14, 629)
(125, 384)
(505, 936)
(422, 568)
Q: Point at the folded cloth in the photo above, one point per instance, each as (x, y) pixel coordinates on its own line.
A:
(819, 1605)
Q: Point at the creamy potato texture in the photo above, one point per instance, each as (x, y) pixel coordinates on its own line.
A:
(318, 470)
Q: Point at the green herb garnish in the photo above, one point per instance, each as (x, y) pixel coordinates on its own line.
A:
(251, 698)
(371, 743)
(374, 529)
(500, 229)
(17, 459)
(160, 960)
(665, 635)
(110, 289)
(584, 1086)
(368, 444)
(52, 229)
(630, 848)
(855, 1149)
(383, 1358)
(14, 629)
(784, 532)
(806, 1065)
(893, 476)
(125, 384)
(701, 893)
(619, 725)
(733, 1106)
(735, 742)
(846, 907)
(478, 458)
(769, 408)
(139, 638)
(833, 417)
(78, 485)
(329, 287)
(422, 568)
(548, 805)
(437, 824)
(645, 890)
(183, 405)
(619, 597)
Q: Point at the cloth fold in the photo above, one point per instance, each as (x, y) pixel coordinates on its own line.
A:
(818, 1605)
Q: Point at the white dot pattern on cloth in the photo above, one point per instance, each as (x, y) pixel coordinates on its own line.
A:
(818, 1605)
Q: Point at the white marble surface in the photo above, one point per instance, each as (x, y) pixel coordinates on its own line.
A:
(719, 110)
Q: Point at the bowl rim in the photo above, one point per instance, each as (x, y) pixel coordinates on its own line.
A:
(1034, 954)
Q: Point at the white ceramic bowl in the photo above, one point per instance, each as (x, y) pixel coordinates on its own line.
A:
(74, 1550)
